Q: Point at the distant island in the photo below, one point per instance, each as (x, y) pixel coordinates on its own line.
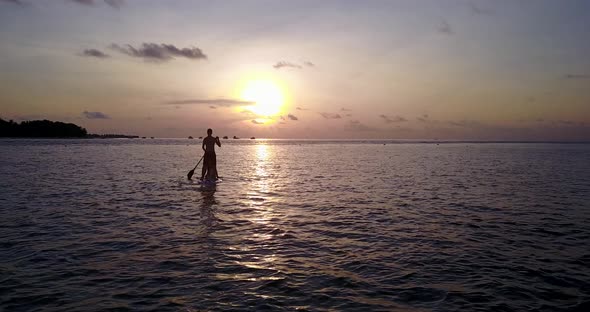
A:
(49, 129)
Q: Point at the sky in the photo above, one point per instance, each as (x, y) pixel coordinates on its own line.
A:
(415, 69)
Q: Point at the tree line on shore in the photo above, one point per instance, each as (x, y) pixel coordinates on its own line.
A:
(41, 129)
(49, 129)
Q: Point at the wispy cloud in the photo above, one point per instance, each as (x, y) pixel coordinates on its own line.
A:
(113, 3)
(283, 64)
(95, 115)
(95, 53)
(393, 119)
(577, 76)
(84, 2)
(254, 121)
(344, 109)
(475, 9)
(330, 115)
(159, 52)
(301, 108)
(355, 125)
(423, 118)
(217, 102)
(292, 117)
(467, 124)
(571, 123)
(445, 28)
(17, 2)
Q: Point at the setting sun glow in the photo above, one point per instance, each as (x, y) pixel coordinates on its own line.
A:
(266, 96)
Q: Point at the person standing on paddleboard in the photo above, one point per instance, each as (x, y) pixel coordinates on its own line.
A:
(210, 160)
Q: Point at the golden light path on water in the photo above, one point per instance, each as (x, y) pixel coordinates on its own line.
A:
(262, 215)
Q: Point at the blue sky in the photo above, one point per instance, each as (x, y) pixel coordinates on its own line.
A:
(497, 70)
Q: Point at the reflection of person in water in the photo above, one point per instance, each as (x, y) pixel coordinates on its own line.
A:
(209, 159)
(208, 200)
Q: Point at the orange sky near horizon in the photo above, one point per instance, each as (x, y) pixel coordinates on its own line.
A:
(473, 70)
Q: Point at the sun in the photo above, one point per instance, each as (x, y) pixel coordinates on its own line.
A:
(266, 96)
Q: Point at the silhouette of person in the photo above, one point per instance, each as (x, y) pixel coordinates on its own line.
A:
(210, 160)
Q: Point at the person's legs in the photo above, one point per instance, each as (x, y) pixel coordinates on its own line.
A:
(205, 166)
(212, 169)
(215, 174)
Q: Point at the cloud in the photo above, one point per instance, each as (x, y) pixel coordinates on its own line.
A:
(113, 3)
(394, 119)
(445, 28)
(308, 63)
(330, 115)
(570, 123)
(217, 102)
(84, 2)
(343, 109)
(17, 2)
(355, 125)
(423, 118)
(282, 64)
(577, 76)
(95, 53)
(292, 117)
(95, 115)
(475, 9)
(256, 122)
(213, 107)
(159, 52)
(301, 108)
(467, 124)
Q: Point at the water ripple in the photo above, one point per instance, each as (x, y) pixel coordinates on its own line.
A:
(114, 225)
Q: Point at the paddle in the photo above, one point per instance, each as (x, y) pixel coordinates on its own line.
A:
(190, 173)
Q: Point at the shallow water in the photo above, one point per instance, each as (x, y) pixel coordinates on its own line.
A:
(295, 225)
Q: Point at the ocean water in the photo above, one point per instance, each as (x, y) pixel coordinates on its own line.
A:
(97, 225)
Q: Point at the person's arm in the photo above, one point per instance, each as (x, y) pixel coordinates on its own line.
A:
(217, 141)
(203, 146)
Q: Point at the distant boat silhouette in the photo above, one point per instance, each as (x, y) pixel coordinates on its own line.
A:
(235, 137)
(252, 138)
(200, 138)
(225, 137)
(151, 137)
(190, 137)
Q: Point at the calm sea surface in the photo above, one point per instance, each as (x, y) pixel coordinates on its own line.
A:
(94, 225)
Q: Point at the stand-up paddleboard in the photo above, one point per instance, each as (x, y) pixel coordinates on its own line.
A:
(209, 182)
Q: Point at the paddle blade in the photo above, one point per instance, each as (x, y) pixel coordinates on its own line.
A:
(190, 174)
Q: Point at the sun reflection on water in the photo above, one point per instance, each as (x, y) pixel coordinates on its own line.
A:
(261, 185)
(262, 214)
